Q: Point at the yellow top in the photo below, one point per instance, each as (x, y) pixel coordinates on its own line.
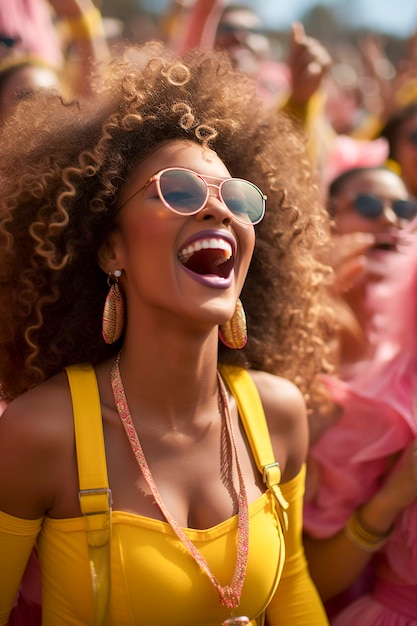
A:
(154, 581)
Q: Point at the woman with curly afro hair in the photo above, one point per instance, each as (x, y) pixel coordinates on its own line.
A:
(133, 240)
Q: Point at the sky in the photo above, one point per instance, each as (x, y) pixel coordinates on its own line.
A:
(396, 17)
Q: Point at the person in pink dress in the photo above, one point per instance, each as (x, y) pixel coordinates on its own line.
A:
(362, 514)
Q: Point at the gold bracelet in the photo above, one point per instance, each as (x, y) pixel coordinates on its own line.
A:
(367, 540)
(87, 25)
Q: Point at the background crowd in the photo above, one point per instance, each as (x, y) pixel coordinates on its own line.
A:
(354, 98)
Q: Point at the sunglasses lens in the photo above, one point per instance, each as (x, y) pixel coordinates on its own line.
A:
(368, 206)
(244, 200)
(232, 29)
(183, 191)
(405, 209)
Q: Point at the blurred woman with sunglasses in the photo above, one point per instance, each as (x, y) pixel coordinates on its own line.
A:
(372, 220)
(361, 522)
(356, 489)
(127, 250)
(371, 210)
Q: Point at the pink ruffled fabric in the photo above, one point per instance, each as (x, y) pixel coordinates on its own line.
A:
(31, 22)
(369, 612)
(350, 459)
(389, 605)
(351, 456)
(348, 152)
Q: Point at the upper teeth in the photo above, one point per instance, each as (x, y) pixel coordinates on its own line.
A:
(203, 244)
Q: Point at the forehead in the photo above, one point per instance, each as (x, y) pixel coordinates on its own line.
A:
(182, 153)
(241, 18)
(379, 182)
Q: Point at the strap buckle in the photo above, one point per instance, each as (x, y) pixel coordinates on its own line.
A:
(266, 471)
(102, 491)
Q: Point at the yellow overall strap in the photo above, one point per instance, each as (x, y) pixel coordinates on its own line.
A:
(95, 495)
(252, 414)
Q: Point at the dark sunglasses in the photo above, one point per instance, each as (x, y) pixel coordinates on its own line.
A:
(372, 207)
(231, 29)
(185, 192)
(7, 41)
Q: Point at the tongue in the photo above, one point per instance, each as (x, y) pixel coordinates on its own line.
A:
(206, 262)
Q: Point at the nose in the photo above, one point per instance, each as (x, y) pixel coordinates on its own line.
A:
(389, 216)
(242, 35)
(215, 208)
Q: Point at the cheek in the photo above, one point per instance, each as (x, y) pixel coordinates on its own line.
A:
(147, 253)
(351, 222)
(145, 232)
(246, 238)
(247, 245)
(148, 258)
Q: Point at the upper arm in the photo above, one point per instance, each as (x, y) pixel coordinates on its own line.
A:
(286, 415)
(33, 437)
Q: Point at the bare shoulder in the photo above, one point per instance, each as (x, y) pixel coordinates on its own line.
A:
(37, 414)
(36, 433)
(286, 414)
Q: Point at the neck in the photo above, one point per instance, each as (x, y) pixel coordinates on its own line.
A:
(173, 376)
(356, 344)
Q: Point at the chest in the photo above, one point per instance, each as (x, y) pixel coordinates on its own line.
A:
(197, 478)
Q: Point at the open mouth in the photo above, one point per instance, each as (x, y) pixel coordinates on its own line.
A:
(209, 256)
(386, 242)
(385, 246)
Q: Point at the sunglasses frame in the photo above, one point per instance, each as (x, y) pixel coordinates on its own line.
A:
(157, 177)
(230, 29)
(400, 215)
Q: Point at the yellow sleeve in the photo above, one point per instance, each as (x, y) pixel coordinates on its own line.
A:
(17, 538)
(312, 117)
(296, 600)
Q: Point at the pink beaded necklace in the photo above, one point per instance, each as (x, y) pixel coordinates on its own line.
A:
(229, 594)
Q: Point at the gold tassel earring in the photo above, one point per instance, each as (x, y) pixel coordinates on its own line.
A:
(234, 332)
(114, 310)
